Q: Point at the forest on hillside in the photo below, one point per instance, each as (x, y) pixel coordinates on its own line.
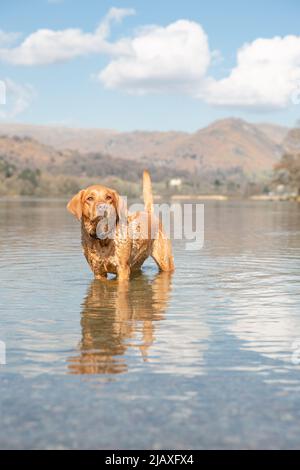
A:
(28, 168)
(287, 172)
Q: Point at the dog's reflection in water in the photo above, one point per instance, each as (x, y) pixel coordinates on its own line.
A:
(118, 315)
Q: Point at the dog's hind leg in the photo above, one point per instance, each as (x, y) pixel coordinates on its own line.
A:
(162, 252)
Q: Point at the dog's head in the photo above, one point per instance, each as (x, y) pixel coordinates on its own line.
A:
(100, 209)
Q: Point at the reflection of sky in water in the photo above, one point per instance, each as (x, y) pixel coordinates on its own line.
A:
(264, 317)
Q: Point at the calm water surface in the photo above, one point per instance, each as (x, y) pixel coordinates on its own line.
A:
(206, 358)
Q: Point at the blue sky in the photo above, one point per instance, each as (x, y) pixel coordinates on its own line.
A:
(152, 70)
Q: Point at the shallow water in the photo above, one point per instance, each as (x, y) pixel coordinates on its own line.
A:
(206, 358)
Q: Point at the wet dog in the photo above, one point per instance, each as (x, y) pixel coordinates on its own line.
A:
(115, 241)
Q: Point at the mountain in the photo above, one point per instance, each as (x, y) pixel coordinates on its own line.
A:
(227, 144)
(222, 146)
(24, 152)
(292, 141)
(30, 168)
(60, 137)
(275, 132)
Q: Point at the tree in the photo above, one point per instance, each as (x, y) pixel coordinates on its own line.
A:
(32, 176)
(287, 171)
(6, 168)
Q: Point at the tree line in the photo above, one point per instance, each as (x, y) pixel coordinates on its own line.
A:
(287, 171)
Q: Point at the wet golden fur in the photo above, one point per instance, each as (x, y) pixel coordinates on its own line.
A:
(136, 236)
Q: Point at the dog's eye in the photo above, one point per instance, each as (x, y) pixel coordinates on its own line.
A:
(108, 198)
(90, 199)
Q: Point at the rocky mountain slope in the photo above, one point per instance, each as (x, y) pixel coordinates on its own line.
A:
(226, 146)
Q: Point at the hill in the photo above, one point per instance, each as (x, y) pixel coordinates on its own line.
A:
(28, 167)
(224, 144)
(230, 152)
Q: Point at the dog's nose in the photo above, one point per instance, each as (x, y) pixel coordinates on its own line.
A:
(102, 210)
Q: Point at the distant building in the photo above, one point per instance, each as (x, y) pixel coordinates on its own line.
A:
(280, 189)
(175, 183)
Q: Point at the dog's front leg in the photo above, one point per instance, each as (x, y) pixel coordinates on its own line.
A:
(124, 251)
(124, 273)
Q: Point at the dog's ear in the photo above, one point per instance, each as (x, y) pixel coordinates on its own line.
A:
(75, 205)
(120, 205)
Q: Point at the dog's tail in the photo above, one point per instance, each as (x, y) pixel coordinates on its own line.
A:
(147, 192)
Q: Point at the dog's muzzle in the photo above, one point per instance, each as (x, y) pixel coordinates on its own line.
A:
(103, 210)
(106, 221)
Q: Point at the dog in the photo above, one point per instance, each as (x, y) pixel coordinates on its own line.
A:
(115, 241)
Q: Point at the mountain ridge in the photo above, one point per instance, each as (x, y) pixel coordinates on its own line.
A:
(223, 145)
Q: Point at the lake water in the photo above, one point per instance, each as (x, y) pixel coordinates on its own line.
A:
(206, 358)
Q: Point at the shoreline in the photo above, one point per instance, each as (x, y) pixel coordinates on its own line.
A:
(275, 198)
(174, 197)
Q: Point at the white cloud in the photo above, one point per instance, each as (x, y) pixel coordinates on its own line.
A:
(176, 59)
(265, 76)
(46, 46)
(18, 99)
(171, 58)
(7, 39)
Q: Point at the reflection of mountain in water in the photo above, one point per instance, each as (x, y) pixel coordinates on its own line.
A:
(113, 314)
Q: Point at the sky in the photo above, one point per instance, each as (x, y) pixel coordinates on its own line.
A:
(141, 65)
